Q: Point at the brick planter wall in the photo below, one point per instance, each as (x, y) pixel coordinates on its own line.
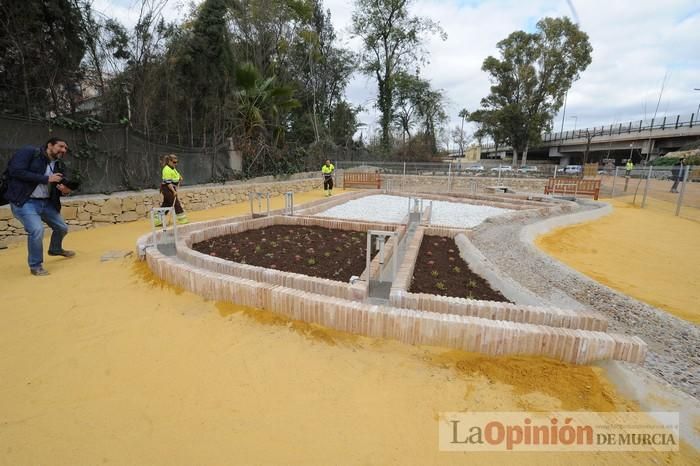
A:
(481, 326)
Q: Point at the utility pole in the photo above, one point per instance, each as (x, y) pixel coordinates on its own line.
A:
(575, 118)
(561, 131)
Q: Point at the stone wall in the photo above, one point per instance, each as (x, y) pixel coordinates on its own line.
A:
(462, 184)
(91, 211)
(96, 210)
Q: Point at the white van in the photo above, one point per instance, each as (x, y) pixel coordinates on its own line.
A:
(573, 169)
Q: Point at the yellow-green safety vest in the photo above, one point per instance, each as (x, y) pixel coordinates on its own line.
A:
(170, 175)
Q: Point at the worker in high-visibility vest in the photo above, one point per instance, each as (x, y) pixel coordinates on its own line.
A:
(629, 167)
(170, 181)
(327, 169)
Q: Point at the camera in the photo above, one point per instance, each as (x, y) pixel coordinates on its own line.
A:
(70, 184)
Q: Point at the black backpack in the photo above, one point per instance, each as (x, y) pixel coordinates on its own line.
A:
(4, 182)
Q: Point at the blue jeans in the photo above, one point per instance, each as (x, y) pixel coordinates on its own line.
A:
(31, 214)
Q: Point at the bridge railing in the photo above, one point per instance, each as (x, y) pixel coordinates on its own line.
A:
(630, 127)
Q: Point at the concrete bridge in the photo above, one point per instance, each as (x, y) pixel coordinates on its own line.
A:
(639, 140)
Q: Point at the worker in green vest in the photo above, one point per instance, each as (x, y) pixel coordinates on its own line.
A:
(170, 181)
(629, 167)
(327, 169)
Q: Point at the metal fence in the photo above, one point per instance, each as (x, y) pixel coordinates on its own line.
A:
(645, 187)
(479, 169)
(656, 188)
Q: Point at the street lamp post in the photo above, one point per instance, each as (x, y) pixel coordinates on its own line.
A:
(627, 172)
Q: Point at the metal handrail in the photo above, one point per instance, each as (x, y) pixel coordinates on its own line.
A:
(630, 127)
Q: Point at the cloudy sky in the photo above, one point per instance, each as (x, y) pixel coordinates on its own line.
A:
(638, 45)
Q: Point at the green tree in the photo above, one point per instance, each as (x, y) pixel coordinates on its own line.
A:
(530, 80)
(320, 70)
(344, 124)
(42, 47)
(392, 41)
(206, 70)
(408, 90)
(431, 110)
(263, 108)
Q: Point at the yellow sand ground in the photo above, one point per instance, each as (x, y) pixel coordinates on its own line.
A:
(646, 253)
(101, 363)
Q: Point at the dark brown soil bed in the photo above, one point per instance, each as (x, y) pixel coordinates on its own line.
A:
(308, 250)
(440, 270)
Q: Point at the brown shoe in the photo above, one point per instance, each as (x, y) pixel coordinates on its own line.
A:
(62, 252)
(39, 271)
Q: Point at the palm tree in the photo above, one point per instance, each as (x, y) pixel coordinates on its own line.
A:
(464, 114)
(262, 107)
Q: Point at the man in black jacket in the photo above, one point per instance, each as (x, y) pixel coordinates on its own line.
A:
(677, 174)
(35, 186)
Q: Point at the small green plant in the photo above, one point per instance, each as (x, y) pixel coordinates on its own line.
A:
(434, 273)
(327, 254)
(257, 249)
(471, 284)
(440, 286)
(456, 269)
(311, 261)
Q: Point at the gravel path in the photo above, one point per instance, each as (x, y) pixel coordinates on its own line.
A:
(384, 208)
(674, 344)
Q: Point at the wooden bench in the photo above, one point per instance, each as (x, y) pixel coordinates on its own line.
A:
(574, 186)
(362, 179)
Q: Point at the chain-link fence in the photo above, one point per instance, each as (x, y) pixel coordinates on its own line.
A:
(660, 188)
(454, 176)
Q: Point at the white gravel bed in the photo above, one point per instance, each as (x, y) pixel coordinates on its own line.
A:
(393, 209)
